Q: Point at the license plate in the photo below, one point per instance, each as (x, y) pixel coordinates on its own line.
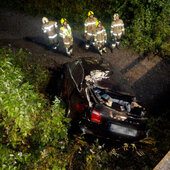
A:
(123, 130)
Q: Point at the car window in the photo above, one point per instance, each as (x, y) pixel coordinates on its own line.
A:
(77, 73)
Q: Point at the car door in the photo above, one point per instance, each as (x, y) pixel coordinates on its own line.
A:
(77, 74)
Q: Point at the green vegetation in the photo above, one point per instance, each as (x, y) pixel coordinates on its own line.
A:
(34, 134)
(26, 120)
(146, 21)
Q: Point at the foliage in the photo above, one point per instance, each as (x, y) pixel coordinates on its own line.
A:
(146, 22)
(51, 126)
(13, 160)
(19, 105)
(148, 30)
(33, 73)
(25, 120)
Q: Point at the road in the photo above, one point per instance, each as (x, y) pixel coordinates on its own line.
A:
(149, 76)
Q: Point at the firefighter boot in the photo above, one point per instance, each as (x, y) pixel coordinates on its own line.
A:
(118, 44)
(87, 45)
(100, 51)
(71, 50)
(113, 44)
(55, 46)
(104, 50)
(68, 52)
(113, 47)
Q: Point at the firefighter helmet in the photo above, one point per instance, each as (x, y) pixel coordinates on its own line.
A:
(90, 13)
(115, 15)
(63, 20)
(44, 20)
(97, 23)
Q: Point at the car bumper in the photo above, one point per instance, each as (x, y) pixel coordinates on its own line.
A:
(115, 131)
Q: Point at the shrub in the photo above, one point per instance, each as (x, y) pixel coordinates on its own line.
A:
(28, 124)
(19, 104)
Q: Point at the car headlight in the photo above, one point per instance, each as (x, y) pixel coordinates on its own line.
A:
(123, 130)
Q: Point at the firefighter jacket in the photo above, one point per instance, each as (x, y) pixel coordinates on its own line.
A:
(90, 27)
(50, 29)
(117, 28)
(100, 36)
(66, 35)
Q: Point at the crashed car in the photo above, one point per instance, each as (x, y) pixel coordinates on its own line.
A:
(100, 100)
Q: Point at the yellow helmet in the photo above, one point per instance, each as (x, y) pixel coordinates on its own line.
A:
(44, 20)
(90, 13)
(63, 20)
(97, 23)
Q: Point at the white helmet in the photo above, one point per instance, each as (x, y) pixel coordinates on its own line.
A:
(44, 20)
(115, 15)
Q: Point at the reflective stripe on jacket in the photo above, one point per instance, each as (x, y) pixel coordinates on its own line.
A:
(50, 29)
(65, 31)
(117, 27)
(101, 35)
(66, 35)
(90, 26)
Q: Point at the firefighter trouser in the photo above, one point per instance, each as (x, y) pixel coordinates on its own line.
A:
(53, 40)
(68, 43)
(115, 40)
(89, 41)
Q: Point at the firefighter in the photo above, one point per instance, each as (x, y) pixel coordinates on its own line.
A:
(100, 38)
(117, 30)
(50, 28)
(66, 35)
(90, 29)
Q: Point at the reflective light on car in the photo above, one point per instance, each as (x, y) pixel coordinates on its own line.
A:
(95, 116)
(123, 130)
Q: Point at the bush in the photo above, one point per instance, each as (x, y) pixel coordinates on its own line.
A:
(26, 119)
(19, 104)
(148, 29)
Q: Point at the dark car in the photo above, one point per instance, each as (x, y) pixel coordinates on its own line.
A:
(100, 100)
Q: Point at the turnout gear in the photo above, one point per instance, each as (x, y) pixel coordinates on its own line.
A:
(90, 29)
(50, 28)
(66, 35)
(117, 29)
(100, 38)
